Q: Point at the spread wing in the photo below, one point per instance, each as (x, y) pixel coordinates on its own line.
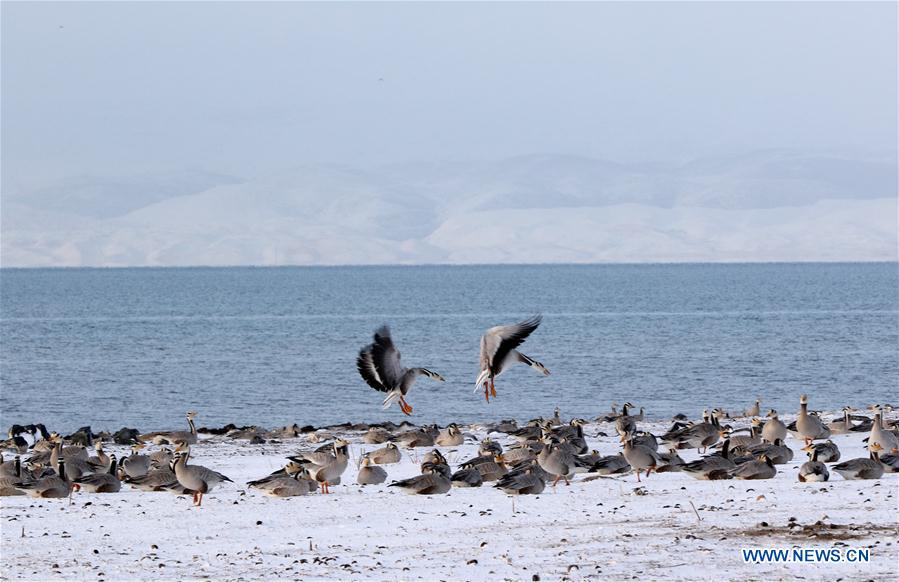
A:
(498, 341)
(379, 362)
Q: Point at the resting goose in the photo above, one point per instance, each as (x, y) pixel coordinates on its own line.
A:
(524, 482)
(380, 367)
(451, 436)
(762, 468)
(813, 470)
(870, 468)
(386, 455)
(434, 481)
(50, 487)
(498, 353)
(827, 452)
(101, 482)
(370, 474)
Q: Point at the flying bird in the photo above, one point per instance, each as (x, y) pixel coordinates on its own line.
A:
(498, 353)
(380, 367)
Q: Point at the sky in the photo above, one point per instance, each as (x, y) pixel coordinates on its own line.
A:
(248, 88)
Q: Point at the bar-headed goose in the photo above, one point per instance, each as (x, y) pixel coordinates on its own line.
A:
(761, 468)
(870, 468)
(386, 455)
(813, 470)
(101, 482)
(379, 365)
(50, 487)
(640, 457)
(774, 428)
(172, 437)
(200, 480)
(809, 426)
(325, 467)
(498, 353)
(827, 452)
(434, 481)
(528, 481)
(370, 474)
(451, 436)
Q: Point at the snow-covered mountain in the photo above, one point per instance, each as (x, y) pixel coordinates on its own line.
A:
(762, 206)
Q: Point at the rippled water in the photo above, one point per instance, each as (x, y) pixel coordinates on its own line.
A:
(138, 347)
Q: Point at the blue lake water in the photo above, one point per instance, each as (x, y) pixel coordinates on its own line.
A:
(139, 347)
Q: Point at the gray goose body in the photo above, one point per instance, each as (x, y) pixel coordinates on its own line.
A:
(370, 474)
(870, 468)
(827, 452)
(451, 436)
(386, 455)
(101, 482)
(435, 481)
(762, 468)
(558, 461)
(813, 470)
(379, 365)
(526, 482)
(54, 486)
(498, 353)
(196, 478)
(189, 436)
(640, 457)
(774, 429)
(809, 426)
(326, 467)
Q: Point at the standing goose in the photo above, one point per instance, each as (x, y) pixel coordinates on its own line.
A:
(625, 425)
(808, 425)
(774, 429)
(498, 353)
(170, 438)
(435, 480)
(884, 439)
(101, 482)
(196, 478)
(755, 409)
(813, 470)
(640, 457)
(326, 467)
(380, 367)
(557, 460)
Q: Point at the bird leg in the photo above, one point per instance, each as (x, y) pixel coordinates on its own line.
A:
(492, 388)
(638, 475)
(327, 488)
(558, 477)
(487, 391)
(199, 498)
(404, 406)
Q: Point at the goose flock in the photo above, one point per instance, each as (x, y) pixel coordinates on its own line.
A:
(544, 451)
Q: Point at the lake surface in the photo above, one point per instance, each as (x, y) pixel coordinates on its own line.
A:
(139, 347)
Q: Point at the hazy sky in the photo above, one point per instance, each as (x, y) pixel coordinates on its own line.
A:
(245, 88)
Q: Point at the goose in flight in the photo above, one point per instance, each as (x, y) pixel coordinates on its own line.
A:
(498, 353)
(380, 367)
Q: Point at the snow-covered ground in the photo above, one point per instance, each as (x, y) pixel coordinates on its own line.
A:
(669, 526)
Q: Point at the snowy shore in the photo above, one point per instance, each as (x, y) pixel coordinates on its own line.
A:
(668, 526)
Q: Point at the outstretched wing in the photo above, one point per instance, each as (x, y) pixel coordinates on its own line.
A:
(500, 340)
(379, 363)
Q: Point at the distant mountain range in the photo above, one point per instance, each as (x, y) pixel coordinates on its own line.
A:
(764, 206)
